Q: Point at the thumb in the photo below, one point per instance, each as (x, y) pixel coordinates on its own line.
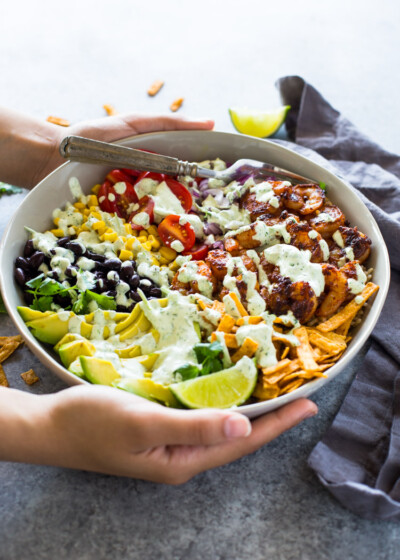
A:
(197, 427)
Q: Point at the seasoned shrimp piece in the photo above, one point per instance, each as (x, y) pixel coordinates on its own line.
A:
(304, 238)
(218, 261)
(297, 297)
(246, 238)
(329, 219)
(192, 287)
(335, 293)
(304, 198)
(358, 242)
(258, 208)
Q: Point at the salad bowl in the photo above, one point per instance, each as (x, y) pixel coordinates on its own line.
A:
(53, 192)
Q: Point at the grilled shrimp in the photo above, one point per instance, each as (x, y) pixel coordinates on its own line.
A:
(357, 241)
(218, 261)
(336, 290)
(257, 208)
(300, 238)
(297, 297)
(246, 238)
(329, 219)
(192, 287)
(304, 199)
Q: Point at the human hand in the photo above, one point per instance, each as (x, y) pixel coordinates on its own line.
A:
(109, 129)
(107, 430)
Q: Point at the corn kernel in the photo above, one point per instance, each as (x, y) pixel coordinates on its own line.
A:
(147, 245)
(142, 239)
(98, 225)
(83, 228)
(143, 233)
(110, 230)
(79, 205)
(96, 189)
(57, 232)
(156, 262)
(96, 214)
(92, 200)
(153, 230)
(128, 229)
(163, 260)
(155, 244)
(56, 221)
(86, 212)
(168, 253)
(110, 237)
(125, 255)
(147, 374)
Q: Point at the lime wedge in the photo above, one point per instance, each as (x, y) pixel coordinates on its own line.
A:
(226, 388)
(258, 123)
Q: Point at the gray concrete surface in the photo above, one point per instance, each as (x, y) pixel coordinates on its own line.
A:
(69, 59)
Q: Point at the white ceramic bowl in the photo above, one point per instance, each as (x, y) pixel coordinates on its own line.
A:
(53, 192)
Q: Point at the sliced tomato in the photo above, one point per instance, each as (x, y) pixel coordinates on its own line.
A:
(107, 199)
(171, 230)
(118, 176)
(150, 175)
(181, 192)
(146, 204)
(197, 252)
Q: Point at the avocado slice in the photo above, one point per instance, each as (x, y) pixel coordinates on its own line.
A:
(129, 352)
(129, 320)
(147, 360)
(29, 314)
(69, 337)
(72, 350)
(76, 368)
(50, 328)
(147, 389)
(141, 325)
(97, 371)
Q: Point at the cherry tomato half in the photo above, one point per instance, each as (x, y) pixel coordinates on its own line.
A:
(171, 230)
(197, 252)
(181, 192)
(107, 199)
(150, 175)
(118, 176)
(146, 204)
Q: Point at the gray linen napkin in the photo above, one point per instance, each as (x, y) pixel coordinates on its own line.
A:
(358, 459)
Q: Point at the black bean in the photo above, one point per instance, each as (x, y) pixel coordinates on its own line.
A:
(70, 271)
(63, 241)
(127, 270)
(29, 248)
(145, 283)
(53, 252)
(36, 259)
(111, 293)
(111, 283)
(64, 301)
(75, 247)
(134, 281)
(155, 292)
(20, 276)
(53, 274)
(112, 264)
(135, 296)
(28, 298)
(99, 286)
(94, 256)
(20, 262)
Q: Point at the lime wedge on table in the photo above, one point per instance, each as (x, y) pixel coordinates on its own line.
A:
(258, 123)
(226, 388)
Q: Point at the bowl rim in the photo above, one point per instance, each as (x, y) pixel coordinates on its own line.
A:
(46, 355)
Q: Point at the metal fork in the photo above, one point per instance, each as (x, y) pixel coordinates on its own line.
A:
(76, 148)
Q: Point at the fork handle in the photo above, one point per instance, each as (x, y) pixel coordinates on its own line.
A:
(76, 148)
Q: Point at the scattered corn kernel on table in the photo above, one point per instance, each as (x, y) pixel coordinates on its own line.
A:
(270, 504)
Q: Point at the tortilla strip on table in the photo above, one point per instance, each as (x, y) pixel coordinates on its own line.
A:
(3, 378)
(8, 345)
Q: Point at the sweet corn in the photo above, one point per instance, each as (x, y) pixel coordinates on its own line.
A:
(129, 243)
(153, 230)
(96, 188)
(128, 229)
(86, 212)
(125, 255)
(147, 245)
(110, 237)
(96, 215)
(148, 374)
(57, 232)
(142, 239)
(155, 244)
(156, 262)
(168, 253)
(79, 205)
(92, 200)
(163, 260)
(143, 233)
(56, 221)
(99, 225)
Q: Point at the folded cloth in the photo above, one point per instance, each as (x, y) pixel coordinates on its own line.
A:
(358, 459)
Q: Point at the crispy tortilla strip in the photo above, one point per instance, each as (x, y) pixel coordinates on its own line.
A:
(304, 350)
(274, 378)
(349, 311)
(202, 305)
(265, 393)
(226, 323)
(301, 374)
(230, 340)
(218, 306)
(58, 120)
(277, 367)
(155, 88)
(239, 305)
(29, 377)
(285, 352)
(176, 104)
(344, 328)
(329, 343)
(248, 348)
(3, 378)
(110, 109)
(330, 358)
(8, 345)
(292, 386)
(251, 320)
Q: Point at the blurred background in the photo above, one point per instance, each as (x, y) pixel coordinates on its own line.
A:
(68, 59)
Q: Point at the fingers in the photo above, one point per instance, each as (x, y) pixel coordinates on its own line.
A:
(195, 427)
(264, 430)
(109, 129)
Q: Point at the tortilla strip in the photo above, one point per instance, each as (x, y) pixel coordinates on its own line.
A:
(29, 377)
(251, 320)
(248, 348)
(8, 345)
(226, 323)
(349, 311)
(330, 342)
(304, 350)
(3, 378)
(274, 378)
(292, 386)
(285, 352)
(265, 393)
(239, 304)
